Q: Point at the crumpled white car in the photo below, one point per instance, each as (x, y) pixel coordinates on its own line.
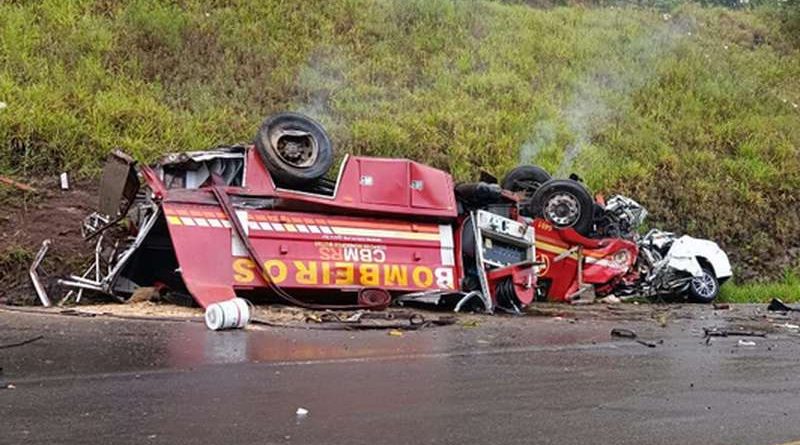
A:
(682, 265)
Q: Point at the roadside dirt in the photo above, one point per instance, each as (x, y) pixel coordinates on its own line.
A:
(27, 219)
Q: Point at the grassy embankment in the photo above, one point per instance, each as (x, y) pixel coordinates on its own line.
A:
(692, 111)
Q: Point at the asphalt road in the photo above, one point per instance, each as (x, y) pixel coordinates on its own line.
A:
(506, 381)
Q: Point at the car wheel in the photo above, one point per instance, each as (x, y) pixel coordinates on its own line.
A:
(705, 288)
(295, 149)
(564, 203)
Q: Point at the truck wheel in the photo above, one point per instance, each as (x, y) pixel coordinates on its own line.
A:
(295, 149)
(705, 288)
(525, 180)
(563, 203)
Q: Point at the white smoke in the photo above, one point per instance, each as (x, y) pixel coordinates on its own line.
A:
(318, 81)
(595, 98)
(544, 134)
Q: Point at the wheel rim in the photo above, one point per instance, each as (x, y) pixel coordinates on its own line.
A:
(525, 187)
(296, 148)
(704, 286)
(563, 209)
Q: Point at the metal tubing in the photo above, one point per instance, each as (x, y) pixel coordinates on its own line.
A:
(37, 284)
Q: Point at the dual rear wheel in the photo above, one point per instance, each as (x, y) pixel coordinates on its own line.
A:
(561, 202)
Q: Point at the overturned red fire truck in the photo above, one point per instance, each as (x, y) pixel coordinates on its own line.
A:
(264, 220)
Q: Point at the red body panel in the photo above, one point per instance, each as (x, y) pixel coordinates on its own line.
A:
(368, 186)
(303, 250)
(603, 262)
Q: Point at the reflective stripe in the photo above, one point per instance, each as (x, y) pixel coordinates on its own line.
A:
(237, 246)
(350, 231)
(443, 233)
(446, 245)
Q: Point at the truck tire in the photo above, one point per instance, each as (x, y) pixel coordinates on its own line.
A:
(525, 178)
(564, 203)
(295, 149)
(705, 288)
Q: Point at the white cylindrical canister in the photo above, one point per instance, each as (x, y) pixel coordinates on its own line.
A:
(230, 314)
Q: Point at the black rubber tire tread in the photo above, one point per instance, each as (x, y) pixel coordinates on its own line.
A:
(532, 173)
(283, 173)
(549, 188)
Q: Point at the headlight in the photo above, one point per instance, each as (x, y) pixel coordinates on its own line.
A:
(621, 258)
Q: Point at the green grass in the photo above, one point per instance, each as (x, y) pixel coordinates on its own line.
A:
(14, 260)
(786, 288)
(692, 113)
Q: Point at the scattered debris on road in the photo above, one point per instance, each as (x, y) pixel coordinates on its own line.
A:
(231, 314)
(610, 299)
(33, 272)
(630, 334)
(661, 317)
(394, 321)
(21, 343)
(789, 326)
(776, 305)
(716, 332)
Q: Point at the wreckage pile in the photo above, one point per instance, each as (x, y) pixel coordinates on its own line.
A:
(264, 221)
